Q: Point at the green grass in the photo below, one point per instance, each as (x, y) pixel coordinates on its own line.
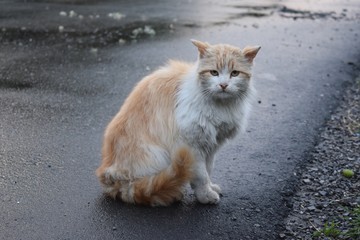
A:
(354, 231)
(331, 230)
(328, 231)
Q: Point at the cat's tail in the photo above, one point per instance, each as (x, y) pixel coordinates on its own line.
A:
(165, 187)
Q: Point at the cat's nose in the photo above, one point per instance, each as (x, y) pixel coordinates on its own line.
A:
(223, 86)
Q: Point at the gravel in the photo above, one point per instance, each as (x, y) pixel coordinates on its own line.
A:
(324, 195)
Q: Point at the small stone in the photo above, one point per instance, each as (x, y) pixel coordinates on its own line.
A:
(281, 235)
(306, 180)
(94, 50)
(311, 208)
(136, 32)
(149, 30)
(116, 16)
(257, 225)
(323, 193)
(72, 13)
(114, 228)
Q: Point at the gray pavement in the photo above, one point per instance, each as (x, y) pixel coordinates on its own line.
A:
(59, 89)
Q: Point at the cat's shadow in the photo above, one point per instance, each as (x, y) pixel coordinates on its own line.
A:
(134, 221)
(116, 210)
(107, 203)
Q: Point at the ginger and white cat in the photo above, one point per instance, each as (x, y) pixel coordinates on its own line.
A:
(169, 128)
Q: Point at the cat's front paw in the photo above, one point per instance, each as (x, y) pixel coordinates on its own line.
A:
(207, 196)
(215, 188)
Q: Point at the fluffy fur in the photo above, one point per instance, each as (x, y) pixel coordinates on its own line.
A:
(169, 128)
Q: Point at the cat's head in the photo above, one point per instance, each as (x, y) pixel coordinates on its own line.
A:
(224, 71)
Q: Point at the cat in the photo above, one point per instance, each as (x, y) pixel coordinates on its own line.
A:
(170, 126)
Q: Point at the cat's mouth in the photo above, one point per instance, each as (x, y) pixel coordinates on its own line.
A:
(223, 94)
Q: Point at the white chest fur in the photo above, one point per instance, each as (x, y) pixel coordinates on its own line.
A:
(204, 123)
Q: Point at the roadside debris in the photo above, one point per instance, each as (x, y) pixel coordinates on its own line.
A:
(116, 16)
(148, 30)
(328, 200)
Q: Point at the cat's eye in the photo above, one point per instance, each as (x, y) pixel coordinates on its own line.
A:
(214, 72)
(235, 73)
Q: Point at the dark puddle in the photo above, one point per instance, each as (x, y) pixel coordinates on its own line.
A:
(52, 69)
(249, 14)
(293, 13)
(282, 11)
(83, 39)
(14, 85)
(141, 30)
(257, 8)
(72, 2)
(254, 11)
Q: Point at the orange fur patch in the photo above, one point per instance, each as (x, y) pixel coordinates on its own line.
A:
(146, 118)
(165, 187)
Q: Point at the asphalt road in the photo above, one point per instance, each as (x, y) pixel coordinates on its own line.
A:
(59, 87)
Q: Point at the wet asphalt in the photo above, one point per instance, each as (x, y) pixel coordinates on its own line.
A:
(60, 86)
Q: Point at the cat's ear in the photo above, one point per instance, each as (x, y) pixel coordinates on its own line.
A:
(202, 46)
(250, 52)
